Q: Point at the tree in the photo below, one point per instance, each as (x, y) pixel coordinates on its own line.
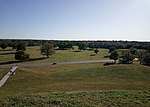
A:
(4, 45)
(140, 55)
(47, 49)
(133, 51)
(65, 45)
(96, 51)
(21, 46)
(126, 57)
(82, 46)
(22, 56)
(148, 49)
(144, 57)
(112, 48)
(114, 55)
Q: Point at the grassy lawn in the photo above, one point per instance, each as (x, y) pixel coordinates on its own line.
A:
(78, 84)
(7, 56)
(3, 72)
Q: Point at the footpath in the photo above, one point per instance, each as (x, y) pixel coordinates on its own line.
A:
(10, 73)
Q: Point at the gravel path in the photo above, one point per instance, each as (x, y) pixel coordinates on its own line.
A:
(58, 63)
(4, 79)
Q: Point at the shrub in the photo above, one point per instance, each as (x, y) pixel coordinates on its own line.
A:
(22, 56)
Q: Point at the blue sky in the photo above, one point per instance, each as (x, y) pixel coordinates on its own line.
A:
(75, 19)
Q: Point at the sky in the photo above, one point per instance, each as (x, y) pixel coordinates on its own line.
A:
(75, 19)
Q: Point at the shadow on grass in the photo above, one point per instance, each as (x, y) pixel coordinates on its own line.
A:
(108, 63)
(36, 59)
(9, 62)
(78, 51)
(93, 55)
(6, 49)
(8, 53)
(107, 56)
(90, 49)
(31, 59)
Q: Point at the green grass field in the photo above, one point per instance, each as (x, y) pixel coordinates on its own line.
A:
(8, 55)
(99, 84)
(80, 99)
(75, 85)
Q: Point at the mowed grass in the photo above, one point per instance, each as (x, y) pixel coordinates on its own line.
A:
(78, 77)
(67, 55)
(78, 85)
(8, 55)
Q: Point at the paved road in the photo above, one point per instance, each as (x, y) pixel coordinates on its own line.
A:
(58, 63)
(4, 79)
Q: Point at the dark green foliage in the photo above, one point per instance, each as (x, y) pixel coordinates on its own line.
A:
(112, 48)
(126, 57)
(22, 56)
(65, 45)
(47, 49)
(90, 44)
(140, 55)
(93, 45)
(144, 57)
(114, 55)
(96, 51)
(133, 51)
(82, 45)
(148, 49)
(21, 46)
(14, 46)
(4, 45)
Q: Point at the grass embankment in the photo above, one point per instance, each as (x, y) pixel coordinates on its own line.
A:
(129, 85)
(8, 56)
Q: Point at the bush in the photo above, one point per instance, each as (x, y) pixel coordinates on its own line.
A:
(96, 51)
(112, 48)
(145, 59)
(21, 46)
(126, 57)
(4, 45)
(114, 55)
(22, 56)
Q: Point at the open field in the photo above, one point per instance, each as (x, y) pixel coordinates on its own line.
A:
(97, 84)
(90, 84)
(8, 55)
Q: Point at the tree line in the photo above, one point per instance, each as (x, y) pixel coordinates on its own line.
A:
(127, 56)
(64, 44)
(48, 48)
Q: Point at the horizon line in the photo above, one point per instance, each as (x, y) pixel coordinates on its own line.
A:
(75, 39)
